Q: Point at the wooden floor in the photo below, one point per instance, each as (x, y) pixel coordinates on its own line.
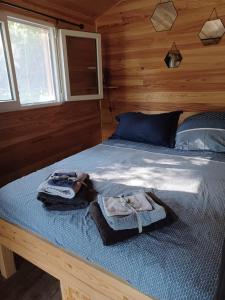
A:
(29, 283)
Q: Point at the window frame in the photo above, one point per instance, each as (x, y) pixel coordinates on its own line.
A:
(63, 33)
(11, 104)
(15, 104)
(59, 63)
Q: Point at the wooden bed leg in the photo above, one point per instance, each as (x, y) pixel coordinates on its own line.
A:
(7, 264)
(69, 293)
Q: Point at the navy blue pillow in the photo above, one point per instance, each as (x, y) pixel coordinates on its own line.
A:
(159, 129)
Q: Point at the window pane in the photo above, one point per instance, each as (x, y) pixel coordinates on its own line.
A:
(33, 62)
(83, 67)
(5, 91)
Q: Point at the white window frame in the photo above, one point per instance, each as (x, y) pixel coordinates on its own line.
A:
(65, 69)
(11, 104)
(15, 103)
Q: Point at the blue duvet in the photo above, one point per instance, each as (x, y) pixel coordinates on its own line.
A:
(177, 262)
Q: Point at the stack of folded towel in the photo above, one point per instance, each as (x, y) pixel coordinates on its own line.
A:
(119, 218)
(64, 190)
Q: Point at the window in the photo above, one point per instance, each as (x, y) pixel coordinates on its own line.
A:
(81, 64)
(40, 65)
(5, 89)
(83, 75)
(32, 47)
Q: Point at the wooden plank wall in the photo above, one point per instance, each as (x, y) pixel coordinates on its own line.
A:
(134, 60)
(31, 139)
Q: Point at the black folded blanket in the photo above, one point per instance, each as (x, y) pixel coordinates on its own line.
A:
(110, 236)
(85, 196)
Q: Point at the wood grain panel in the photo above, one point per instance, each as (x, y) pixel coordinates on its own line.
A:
(31, 139)
(134, 61)
(7, 265)
(72, 10)
(58, 10)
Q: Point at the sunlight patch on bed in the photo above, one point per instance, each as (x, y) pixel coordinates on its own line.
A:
(161, 178)
(198, 161)
(172, 162)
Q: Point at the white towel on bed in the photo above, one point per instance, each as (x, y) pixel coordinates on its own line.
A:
(63, 183)
(126, 205)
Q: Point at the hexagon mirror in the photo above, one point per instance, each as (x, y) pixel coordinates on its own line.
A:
(173, 57)
(164, 16)
(212, 31)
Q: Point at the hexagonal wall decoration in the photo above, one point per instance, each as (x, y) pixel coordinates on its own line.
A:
(212, 31)
(173, 58)
(164, 16)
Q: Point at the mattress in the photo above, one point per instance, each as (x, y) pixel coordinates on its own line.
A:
(177, 262)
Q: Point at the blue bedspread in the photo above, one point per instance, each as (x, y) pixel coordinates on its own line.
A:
(177, 262)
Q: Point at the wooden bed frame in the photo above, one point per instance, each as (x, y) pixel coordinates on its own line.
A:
(79, 280)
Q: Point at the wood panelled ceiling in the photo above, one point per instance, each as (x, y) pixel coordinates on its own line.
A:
(92, 8)
(84, 10)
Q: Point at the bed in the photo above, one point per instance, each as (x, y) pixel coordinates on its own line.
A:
(177, 262)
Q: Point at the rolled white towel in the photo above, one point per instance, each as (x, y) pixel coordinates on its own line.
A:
(63, 183)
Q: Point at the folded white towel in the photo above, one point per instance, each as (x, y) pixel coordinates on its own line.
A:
(126, 205)
(136, 210)
(63, 183)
